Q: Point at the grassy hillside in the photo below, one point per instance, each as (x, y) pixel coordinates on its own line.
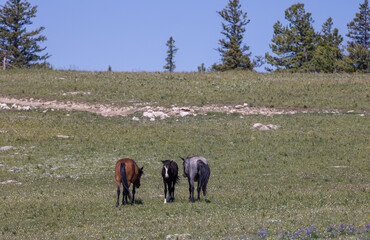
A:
(344, 91)
(311, 173)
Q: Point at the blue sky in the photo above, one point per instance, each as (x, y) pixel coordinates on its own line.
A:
(131, 35)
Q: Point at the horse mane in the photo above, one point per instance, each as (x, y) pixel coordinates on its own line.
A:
(138, 168)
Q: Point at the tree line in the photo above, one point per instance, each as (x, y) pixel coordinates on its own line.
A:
(295, 47)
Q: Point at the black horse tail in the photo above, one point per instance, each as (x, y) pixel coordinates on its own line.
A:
(177, 179)
(205, 172)
(126, 189)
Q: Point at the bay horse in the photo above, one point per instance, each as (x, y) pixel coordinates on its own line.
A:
(127, 172)
(170, 176)
(196, 169)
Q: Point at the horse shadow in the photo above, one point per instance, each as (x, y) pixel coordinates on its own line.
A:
(138, 202)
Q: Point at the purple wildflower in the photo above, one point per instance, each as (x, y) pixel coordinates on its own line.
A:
(263, 234)
(308, 231)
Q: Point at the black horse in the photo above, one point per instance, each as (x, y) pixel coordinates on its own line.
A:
(170, 178)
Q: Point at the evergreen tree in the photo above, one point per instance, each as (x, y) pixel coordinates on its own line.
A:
(233, 53)
(293, 44)
(20, 47)
(327, 56)
(359, 28)
(358, 32)
(201, 68)
(170, 66)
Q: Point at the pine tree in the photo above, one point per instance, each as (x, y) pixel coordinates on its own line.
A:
(358, 32)
(233, 53)
(359, 28)
(327, 56)
(201, 68)
(20, 47)
(293, 44)
(170, 66)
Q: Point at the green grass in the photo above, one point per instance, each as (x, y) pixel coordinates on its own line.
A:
(277, 180)
(313, 171)
(343, 91)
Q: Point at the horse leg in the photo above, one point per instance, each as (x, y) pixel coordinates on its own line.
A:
(170, 191)
(199, 188)
(133, 195)
(118, 193)
(173, 191)
(165, 191)
(191, 190)
(124, 196)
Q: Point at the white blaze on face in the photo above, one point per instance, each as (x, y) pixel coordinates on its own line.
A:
(166, 172)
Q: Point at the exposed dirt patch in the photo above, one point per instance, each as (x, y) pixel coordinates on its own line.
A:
(111, 110)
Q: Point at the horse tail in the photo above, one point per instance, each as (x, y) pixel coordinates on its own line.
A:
(177, 179)
(124, 180)
(205, 172)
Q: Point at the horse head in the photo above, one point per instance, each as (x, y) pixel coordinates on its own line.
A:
(185, 166)
(166, 168)
(140, 173)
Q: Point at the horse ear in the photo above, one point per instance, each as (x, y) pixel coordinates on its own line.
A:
(182, 159)
(142, 168)
(163, 161)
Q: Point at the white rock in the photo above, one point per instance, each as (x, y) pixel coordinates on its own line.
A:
(11, 182)
(62, 136)
(27, 108)
(164, 116)
(187, 109)
(6, 148)
(264, 128)
(275, 127)
(257, 125)
(135, 119)
(158, 114)
(4, 106)
(184, 114)
(178, 236)
(148, 114)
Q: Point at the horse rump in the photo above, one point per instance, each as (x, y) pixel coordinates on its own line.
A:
(204, 173)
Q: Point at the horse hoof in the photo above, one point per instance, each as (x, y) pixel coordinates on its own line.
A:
(165, 200)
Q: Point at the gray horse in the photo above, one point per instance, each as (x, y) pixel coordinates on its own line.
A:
(196, 169)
